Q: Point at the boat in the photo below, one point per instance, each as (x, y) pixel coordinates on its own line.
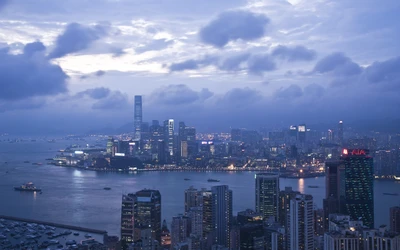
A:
(187, 179)
(311, 186)
(212, 180)
(37, 163)
(28, 187)
(397, 178)
(107, 188)
(76, 234)
(393, 194)
(88, 236)
(26, 161)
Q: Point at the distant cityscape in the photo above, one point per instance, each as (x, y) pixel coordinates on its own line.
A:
(294, 152)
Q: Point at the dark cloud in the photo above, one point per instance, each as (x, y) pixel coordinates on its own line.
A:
(114, 100)
(297, 53)
(95, 93)
(193, 63)
(23, 75)
(337, 64)
(240, 97)
(233, 63)
(178, 95)
(158, 44)
(77, 37)
(185, 65)
(234, 25)
(258, 64)
(387, 71)
(32, 48)
(291, 92)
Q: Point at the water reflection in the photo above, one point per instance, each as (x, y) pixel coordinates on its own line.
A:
(301, 185)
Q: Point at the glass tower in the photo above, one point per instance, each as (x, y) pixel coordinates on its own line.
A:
(138, 117)
(359, 185)
(221, 214)
(267, 195)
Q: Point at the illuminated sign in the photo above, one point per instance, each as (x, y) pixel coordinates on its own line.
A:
(346, 151)
(78, 152)
(132, 143)
(293, 127)
(302, 128)
(119, 154)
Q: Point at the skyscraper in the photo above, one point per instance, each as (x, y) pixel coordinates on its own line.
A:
(359, 185)
(340, 133)
(395, 219)
(301, 221)
(267, 195)
(221, 214)
(138, 118)
(193, 198)
(148, 211)
(334, 172)
(207, 213)
(127, 218)
(301, 133)
(180, 229)
(169, 136)
(195, 215)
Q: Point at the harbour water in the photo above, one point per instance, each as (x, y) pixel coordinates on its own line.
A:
(78, 198)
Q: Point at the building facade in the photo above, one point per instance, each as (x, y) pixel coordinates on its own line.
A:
(267, 195)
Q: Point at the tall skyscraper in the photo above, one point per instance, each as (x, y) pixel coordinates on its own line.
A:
(285, 196)
(193, 198)
(127, 218)
(148, 211)
(207, 213)
(359, 185)
(340, 133)
(221, 214)
(395, 219)
(301, 221)
(195, 215)
(180, 229)
(138, 117)
(267, 195)
(169, 136)
(302, 133)
(334, 179)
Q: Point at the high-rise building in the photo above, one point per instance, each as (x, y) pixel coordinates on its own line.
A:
(221, 214)
(331, 135)
(180, 229)
(184, 149)
(301, 221)
(395, 219)
(169, 136)
(359, 185)
(252, 237)
(301, 135)
(138, 117)
(127, 218)
(285, 196)
(207, 213)
(334, 179)
(148, 211)
(340, 133)
(193, 198)
(195, 215)
(110, 144)
(236, 134)
(267, 195)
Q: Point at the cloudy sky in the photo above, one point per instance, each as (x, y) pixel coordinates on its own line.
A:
(75, 65)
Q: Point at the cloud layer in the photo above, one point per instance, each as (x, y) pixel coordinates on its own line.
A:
(232, 26)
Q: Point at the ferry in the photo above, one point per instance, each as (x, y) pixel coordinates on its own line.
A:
(393, 194)
(397, 178)
(187, 179)
(107, 188)
(212, 180)
(313, 186)
(28, 187)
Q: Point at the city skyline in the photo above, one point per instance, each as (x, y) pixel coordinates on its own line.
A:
(318, 67)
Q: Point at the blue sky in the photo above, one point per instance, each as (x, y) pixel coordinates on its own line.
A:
(76, 65)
